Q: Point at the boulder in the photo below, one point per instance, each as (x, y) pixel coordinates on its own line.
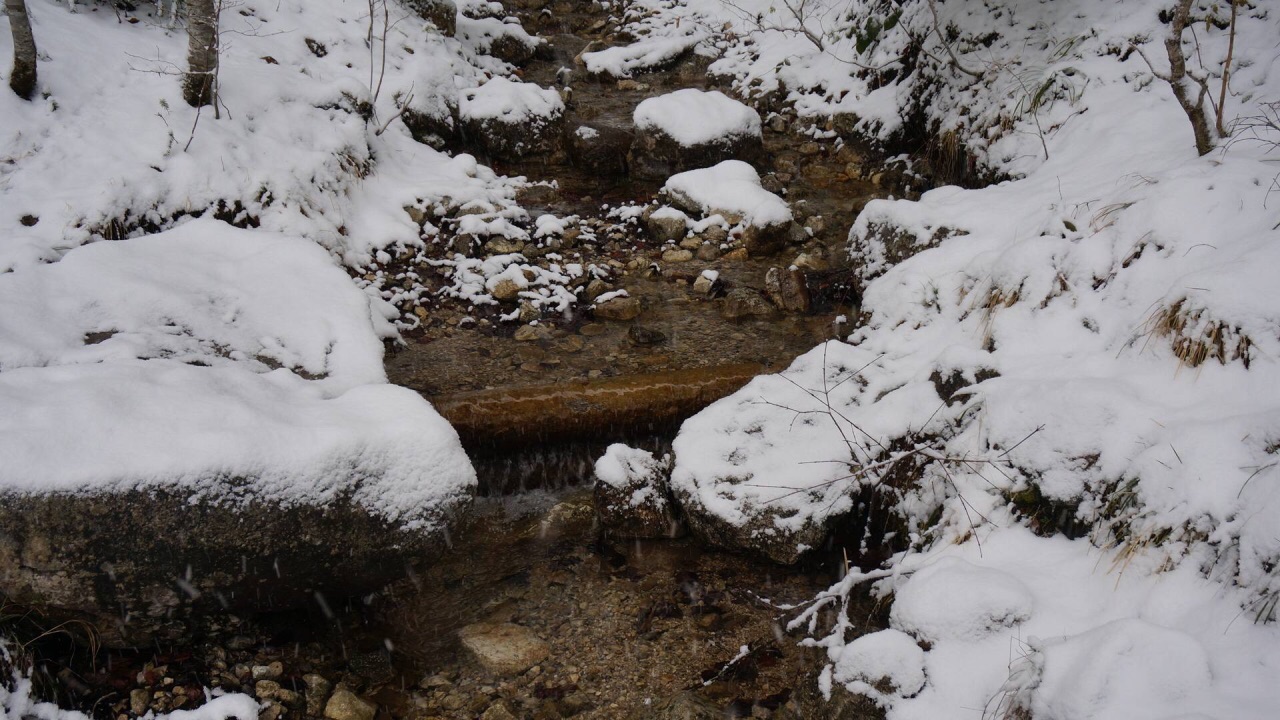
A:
(601, 149)
(503, 648)
(511, 120)
(691, 129)
(618, 308)
(441, 13)
(745, 303)
(666, 224)
(346, 705)
(432, 118)
(631, 495)
(788, 289)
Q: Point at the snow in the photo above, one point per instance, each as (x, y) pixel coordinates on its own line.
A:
(730, 188)
(694, 117)
(647, 54)
(180, 361)
(957, 599)
(887, 656)
(510, 102)
(623, 468)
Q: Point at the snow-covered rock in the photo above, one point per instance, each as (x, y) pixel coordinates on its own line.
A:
(888, 662)
(732, 190)
(957, 599)
(512, 119)
(631, 494)
(690, 129)
(646, 54)
(228, 374)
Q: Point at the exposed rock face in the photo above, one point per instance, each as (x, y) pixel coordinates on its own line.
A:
(602, 148)
(441, 13)
(168, 561)
(504, 648)
(788, 289)
(631, 495)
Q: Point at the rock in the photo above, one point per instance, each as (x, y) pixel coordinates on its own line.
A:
(317, 693)
(531, 333)
(268, 672)
(736, 255)
(139, 701)
(743, 303)
(687, 705)
(618, 308)
(511, 120)
(676, 255)
(528, 312)
(441, 13)
(537, 194)
(788, 289)
(762, 241)
(271, 711)
(708, 252)
(714, 234)
(602, 149)
(631, 496)
(691, 243)
(810, 148)
(505, 290)
(266, 689)
(433, 120)
(497, 711)
(503, 648)
(344, 705)
(707, 282)
(666, 224)
(595, 289)
(812, 261)
(645, 336)
(503, 246)
(59, 552)
(513, 48)
(726, 129)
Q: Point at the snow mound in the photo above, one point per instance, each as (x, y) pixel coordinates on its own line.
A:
(203, 293)
(510, 102)
(694, 117)
(731, 189)
(959, 600)
(623, 467)
(17, 703)
(888, 662)
(646, 54)
(148, 364)
(1127, 668)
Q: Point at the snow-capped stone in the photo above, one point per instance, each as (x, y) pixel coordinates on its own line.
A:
(512, 119)
(631, 496)
(689, 129)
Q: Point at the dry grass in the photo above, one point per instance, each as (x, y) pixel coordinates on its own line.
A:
(1196, 338)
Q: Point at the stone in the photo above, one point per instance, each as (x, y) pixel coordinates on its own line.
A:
(505, 290)
(765, 240)
(433, 123)
(736, 255)
(266, 689)
(666, 224)
(531, 333)
(441, 13)
(345, 705)
(815, 224)
(271, 711)
(708, 252)
(497, 711)
(595, 289)
(572, 344)
(601, 149)
(316, 693)
(810, 148)
(714, 234)
(503, 246)
(139, 701)
(812, 261)
(59, 551)
(645, 336)
(655, 154)
(705, 284)
(528, 312)
(744, 303)
(503, 648)
(691, 243)
(535, 126)
(513, 49)
(619, 309)
(686, 705)
(788, 289)
(268, 672)
(676, 255)
(630, 494)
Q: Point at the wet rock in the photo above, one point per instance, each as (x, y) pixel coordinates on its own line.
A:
(441, 13)
(631, 497)
(531, 333)
(707, 283)
(765, 240)
(677, 255)
(601, 148)
(619, 309)
(595, 289)
(645, 336)
(503, 648)
(172, 562)
(317, 693)
(345, 705)
(788, 289)
(666, 224)
(745, 303)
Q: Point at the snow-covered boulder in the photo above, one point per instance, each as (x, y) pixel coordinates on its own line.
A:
(690, 129)
(732, 190)
(955, 599)
(631, 495)
(441, 13)
(645, 55)
(512, 119)
(882, 663)
(505, 41)
(199, 421)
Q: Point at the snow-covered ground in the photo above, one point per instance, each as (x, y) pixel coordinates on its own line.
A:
(1111, 322)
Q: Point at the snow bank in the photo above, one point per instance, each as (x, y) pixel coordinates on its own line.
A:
(179, 361)
(510, 102)
(731, 188)
(647, 54)
(888, 657)
(695, 117)
(957, 599)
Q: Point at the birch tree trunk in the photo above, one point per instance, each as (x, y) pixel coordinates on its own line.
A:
(23, 78)
(199, 84)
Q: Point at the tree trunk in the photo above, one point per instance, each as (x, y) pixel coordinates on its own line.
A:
(199, 85)
(1180, 81)
(23, 78)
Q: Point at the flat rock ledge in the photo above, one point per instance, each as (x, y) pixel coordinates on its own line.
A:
(151, 566)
